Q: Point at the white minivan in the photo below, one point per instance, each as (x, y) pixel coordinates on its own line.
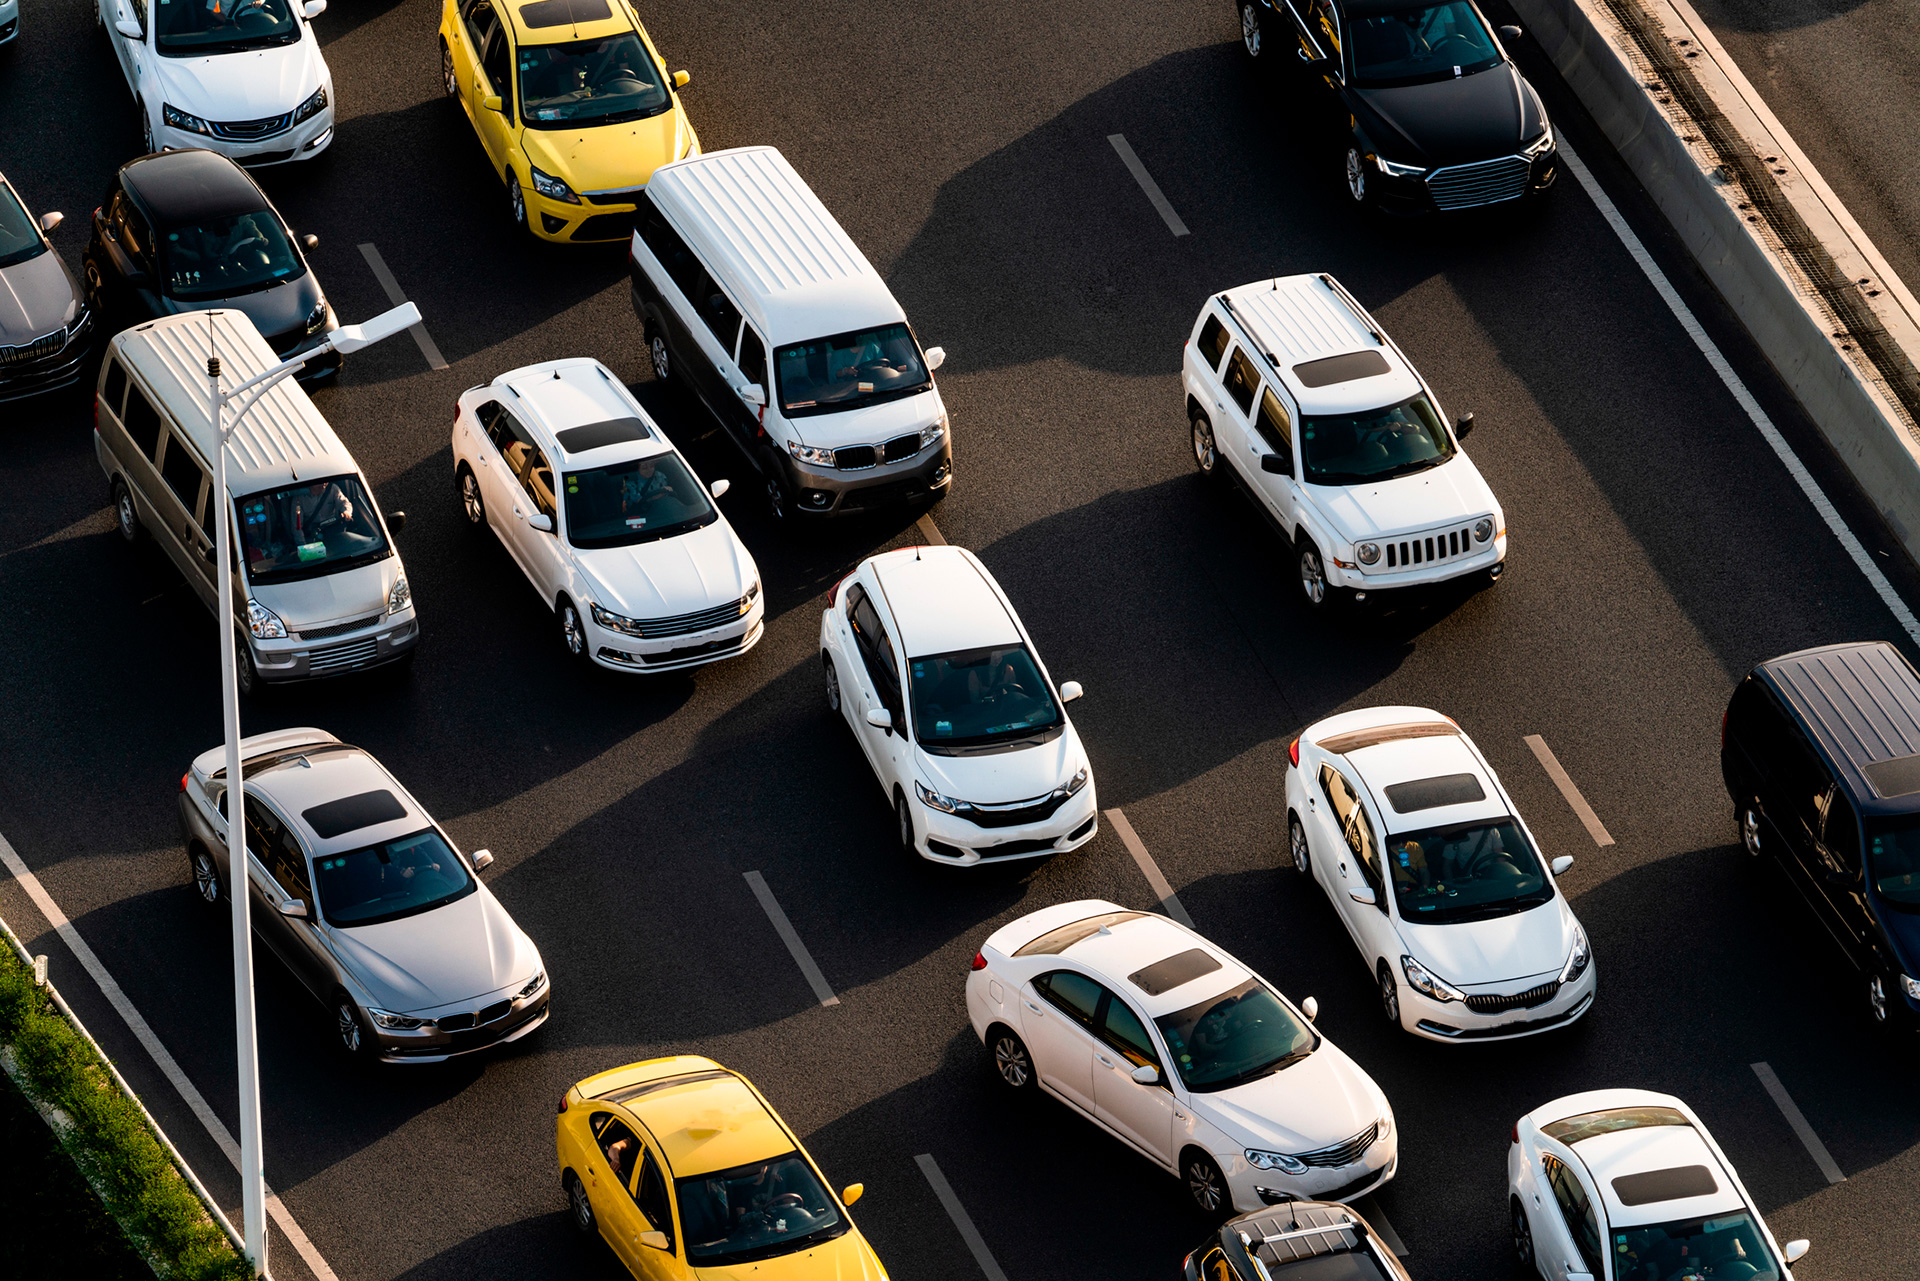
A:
(756, 300)
(318, 585)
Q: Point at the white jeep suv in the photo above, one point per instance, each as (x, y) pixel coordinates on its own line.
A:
(1293, 388)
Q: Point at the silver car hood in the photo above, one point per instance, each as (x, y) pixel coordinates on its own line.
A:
(467, 949)
(37, 297)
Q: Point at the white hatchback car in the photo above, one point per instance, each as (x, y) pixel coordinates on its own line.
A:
(607, 520)
(963, 726)
(1398, 816)
(1627, 1185)
(244, 78)
(1182, 1053)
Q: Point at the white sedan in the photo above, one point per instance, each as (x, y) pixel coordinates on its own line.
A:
(1633, 1177)
(964, 728)
(1182, 1053)
(1400, 819)
(244, 78)
(606, 519)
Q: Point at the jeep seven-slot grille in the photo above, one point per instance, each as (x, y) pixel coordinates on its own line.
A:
(1332, 1158)
(1517, 1001)
(1486, 183)
(1428, 549)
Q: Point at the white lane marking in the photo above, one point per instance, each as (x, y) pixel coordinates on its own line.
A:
(1369, 1207)
(930, 532)
(961, 1219)
(396, 297)
(784, 928)
(1791, 1110)
(1778, 443)
(1150, 869)
(1147, 184)
(169, 1067)
(1582, 810)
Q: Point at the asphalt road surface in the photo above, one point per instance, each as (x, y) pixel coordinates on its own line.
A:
(1658, 550)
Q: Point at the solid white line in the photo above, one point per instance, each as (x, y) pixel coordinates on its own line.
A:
(170, 1068)
(930, 532)
(1791, 1110)
(1150, 869)
(961, 1219)
(396, 297)
(1369, 1207)
(1147, 184)
(784, 928)
(1563, 781)
(1795, 468)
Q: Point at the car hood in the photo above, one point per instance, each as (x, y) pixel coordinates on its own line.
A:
(608, 157)
(274, 311)
(847, 1257)
(1407, 504)
(871, 424)
(1322, 1100)
(331, 598)
(998, 777)
(1903, 931)
(1450, 122)
(1525, 944)
(702, 569)
(36, 297)
(469, 948)
(244, 86)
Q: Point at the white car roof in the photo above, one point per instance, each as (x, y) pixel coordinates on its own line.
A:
(1120, 949)
(1297, 320)
(1417, 759)
(942, 599)
(560, 394)
(1644, 1150)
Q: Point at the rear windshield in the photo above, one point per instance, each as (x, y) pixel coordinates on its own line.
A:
(222, 257)
(19, 238)
(392, 879)
(634, 502)
(1352, 449)
(192, 28)
(310, 529)
(860, 368)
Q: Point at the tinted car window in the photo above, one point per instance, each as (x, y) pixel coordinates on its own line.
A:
(19, 237)
(1415, 45)
(116, 385)
(1577, 1209)
(753, 358)
(637, 501)
(1238, 1036)
(1732, 1241)
(1841, 833)
(1893, 862)
(1350, 449)
(589, 82)
(1213, 341)
(1122, 1029)
(143, 423)
(182, 473)
(682, 267)
(1468, 872)
(269, 841)
(722, 317)
(1075, 993)
(1274, 426)
(1799, 778)
(979, 696)
(390, 879)
(1242, 380)
(225, 256)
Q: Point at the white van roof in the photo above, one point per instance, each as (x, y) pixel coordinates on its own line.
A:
(1299, 320)
(763, 231)
(281, 440)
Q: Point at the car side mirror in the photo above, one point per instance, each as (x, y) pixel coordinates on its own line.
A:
(655, 1240)
(1561, 864)
(936, 357)
(1310, 1008)
(1463, 426)
(880, 718)
(1146, 1074)
(752, 393)
(396, 521)
(310, 240)
(294, 908)
(313, 9)
(1511, 32)
(681, 79)
(719, 487)
(48, 221)
(129, 28)
(1362, 894)
(541, 521)
(482, 860)
(492, 103)
(852, 1192)
(1070, 690)
(210, 554)
(1276, 464)
(1797, 1250)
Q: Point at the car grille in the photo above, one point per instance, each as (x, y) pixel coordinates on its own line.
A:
(459, 1022)
(1430, 549)
(1517, 1001)
(1332, 1158)
(340, 658)
(339, 629)
(626, 197)
(38, 349)
(251, 130)
(861, 457)
(1485, 183)
(685, 624)
(607, 226)
(1016, 813)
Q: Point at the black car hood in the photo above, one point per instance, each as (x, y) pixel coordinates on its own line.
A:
(274, 311)
(1450, 122)
(36, 297)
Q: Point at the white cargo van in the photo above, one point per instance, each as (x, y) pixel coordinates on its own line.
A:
(755, 299)
(318, 586)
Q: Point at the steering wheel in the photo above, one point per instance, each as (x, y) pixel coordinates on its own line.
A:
(1457, 46)
(247, 8)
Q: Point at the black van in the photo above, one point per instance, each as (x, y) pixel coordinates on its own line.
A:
(1820, 750)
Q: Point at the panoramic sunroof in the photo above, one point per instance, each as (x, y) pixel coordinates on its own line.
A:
(1665, 1185)
(615, 431)
(351, 813)
(1431, 793)
(1341, 369)
(1164, 976)
(558, 13)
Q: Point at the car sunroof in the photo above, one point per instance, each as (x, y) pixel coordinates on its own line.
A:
(351, 813)
(1431, 793)
(1164, 976)
(558, 13)
(615, 431)
(1665, 1185)
(1341, 369)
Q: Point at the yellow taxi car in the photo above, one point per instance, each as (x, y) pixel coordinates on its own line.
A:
(685, 1170)
(572, 103)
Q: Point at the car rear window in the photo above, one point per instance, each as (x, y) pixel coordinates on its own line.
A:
(1056, 941)
(1587, 1125)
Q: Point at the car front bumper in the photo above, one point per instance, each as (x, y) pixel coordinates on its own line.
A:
(829, 491)
(1358, 579)
(391, 637)
(303, 141)
(1254, 1189)
(9, 20)
(622, 652)
(1415, 196)
(953, 840)
(1453, 1021)
(52, 371)
(433, 1044)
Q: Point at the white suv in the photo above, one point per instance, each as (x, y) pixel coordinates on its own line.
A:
(1293, 388)
(606, 519)
(963, 726)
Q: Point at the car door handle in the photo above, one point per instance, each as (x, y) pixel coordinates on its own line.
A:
(1313, 804)
(1030, 1005)
(1178, 1115)
(482, 460)
(1103, 1060)
(522, 515)
(1343, 869)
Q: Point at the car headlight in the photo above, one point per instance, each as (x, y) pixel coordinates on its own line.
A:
(1578, 959)
(534, 984)
(551, 187)
(400, 597)
(1078, 781)
(1911, 986)
(1260, 1160)
(1429, 984)
(932, 432)
(1368, 553)
(810, 454)
(1539, 146)
(1482, 529)
(317, 318)
(1395, 170)
(753, 594)
(945, 805)
(179, 119)
(312, 107)
(1386, 1125)
(264, 623)
(395, 1022)
(612, 621)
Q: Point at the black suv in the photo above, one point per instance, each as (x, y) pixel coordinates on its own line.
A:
(1821, 753)
(1437, 116)
(1297, 1241)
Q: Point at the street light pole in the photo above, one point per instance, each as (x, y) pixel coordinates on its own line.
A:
(253, 1176)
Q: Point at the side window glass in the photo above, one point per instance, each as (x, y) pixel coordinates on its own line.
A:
(856, 597)
(1242, 380)
(1213, 342)
(1577, 1210)
(269, 841)
(181, 470)
(1338, 794)
(1841, 834)
(529, 465)
(1360, 839)
(488, 417)
(1076, 994)
(753, 358)
(115, 390)
(140, 13)
(651, 1197)
(682, 267)
(722, 317)
(497, 62)
(143, 424)
(1800, 778)
(1274, 425)
(1123, 1030)
(538, 483)
(208, 512)
(876, 648)
(621, 1148)
(480, 23)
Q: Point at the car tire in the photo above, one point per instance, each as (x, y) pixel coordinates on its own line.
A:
(517, 203)
(206, 875)
(1253, 34)
(777, 503)
(1012, 1061)
(246, 676)
(1880, 1000)
(350, 1029)
(1206, 1187)
(659, 355)
(146, 127)
(471, 502)
(126, 514)
(580, 1208)
(1206, 451)
(1523, 1253)
(573, 632)
(1358, 188)
(1310, 571)
(1389, 994)
(1748, 817)
(833, 681)
(903, 825)
(1298, 848)
(449, 78)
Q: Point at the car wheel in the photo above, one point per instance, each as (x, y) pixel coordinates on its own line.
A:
(449, 81)
(1750, 826)
(661, 357)
(350, 1028)
(776, 498)
(573, 632)
(579, 1208)
(1877, 1003)
(246, 676)
(903, 824)
(1522, 1237)
(833, 682)
(1250, 29)
(1206, 1186)
(1389, 995)
(517, 202)
(125, 515)
(206, 874)
(1297, 842)
(1357, 177)
(1313, 574)
(1205, 455)
(146, 128)
(470, 500)
(1011, 1062)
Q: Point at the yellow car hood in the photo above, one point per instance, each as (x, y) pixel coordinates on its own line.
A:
(608, 157)
(845, 1258)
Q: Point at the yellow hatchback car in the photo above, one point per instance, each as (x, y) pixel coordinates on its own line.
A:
(572, 103)
(685, 1170)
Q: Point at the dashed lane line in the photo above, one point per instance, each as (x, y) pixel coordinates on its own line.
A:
(788, 935)
(1798, 1121)
(1562, 780)
(1147, 184)
(1150, 869)
(961, 1219)
(930, 531)
(396, 297)
(169, 1067)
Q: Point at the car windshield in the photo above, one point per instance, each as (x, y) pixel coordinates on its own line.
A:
(312, 528)
(1351, 449)
(756, 1211)
(390, 880)
(1437, 42)
(589, 82)
(1235, 1037)
(1705, 1249)
(19, 238)
(194, 28)
(634, 502)
(226, 256)
(860, 368)
(1469, 872)
(1893, 858)
(976, 697)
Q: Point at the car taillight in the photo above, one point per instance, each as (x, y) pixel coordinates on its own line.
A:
(183, 780)
(1293, 751)
(563, 1101)
(833, 592)
(1516, 1131)
(979, 961)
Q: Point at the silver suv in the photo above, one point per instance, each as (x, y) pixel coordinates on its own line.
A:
(366, 899)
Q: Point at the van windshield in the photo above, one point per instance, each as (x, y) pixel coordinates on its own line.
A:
(848, 370)
(1893, 861)
(313, 528)
(1351, 449)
